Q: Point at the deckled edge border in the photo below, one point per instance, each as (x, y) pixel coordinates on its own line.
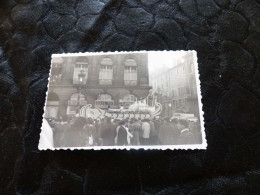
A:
(202, 146)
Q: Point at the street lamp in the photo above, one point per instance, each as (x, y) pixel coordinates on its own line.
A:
(81, 77)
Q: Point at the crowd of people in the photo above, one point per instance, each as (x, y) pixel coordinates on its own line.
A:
(82, 132)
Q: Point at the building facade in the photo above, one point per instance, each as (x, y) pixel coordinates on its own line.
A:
(104, 81)
(177, 87)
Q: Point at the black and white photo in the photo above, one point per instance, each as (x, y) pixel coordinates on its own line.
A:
(123, 100)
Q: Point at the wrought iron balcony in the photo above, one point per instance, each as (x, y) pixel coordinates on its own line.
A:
(105, 81)
(131, 82)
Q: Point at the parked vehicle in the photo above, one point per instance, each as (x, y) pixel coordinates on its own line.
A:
(185, 116)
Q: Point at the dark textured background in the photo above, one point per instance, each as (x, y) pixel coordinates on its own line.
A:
(226, 35)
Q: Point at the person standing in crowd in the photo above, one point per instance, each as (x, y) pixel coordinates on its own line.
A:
(152, 133)
(165, 133)
(140, 121)
(91, 132)
(136, 132)
(74, 135)
(130, 130)
(116, 123)
(108, 132)
(130, 125)
(59, 127)
(121, 137)
(98, 125)
(195, 128)
(186, 135)
(129, 134)
(127, 122)
(146, 129)
(157, 124)
(58, 132)
(175, 133)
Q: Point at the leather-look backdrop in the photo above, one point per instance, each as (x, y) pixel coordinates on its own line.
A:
(226, 35)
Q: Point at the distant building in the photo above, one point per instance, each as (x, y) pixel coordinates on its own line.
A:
(104, 81)
(177, 87)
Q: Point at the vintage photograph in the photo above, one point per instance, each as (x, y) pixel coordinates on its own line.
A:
(147, 99)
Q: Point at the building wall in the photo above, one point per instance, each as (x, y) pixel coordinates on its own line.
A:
(90, 87)
(177, 87)
(118, 68)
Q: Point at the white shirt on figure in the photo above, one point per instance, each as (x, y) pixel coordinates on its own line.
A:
(146, 130)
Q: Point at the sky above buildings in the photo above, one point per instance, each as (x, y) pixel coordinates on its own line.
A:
(161, 61)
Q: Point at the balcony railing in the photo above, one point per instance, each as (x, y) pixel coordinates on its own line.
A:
(105, 81)
(131, 82)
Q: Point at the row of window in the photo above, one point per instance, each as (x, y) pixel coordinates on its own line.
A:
(80, 73)
(107, 61)
(180, 91)
(104, 67)
(106, 75)
(168, 78)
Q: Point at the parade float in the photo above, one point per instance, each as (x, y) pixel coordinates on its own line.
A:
(148, 107)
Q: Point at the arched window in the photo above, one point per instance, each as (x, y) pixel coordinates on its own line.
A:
(130, 73)
(77, 96)
(127, 100)
(106, 71)
(52, 105)
(52, 97)
(80, 74)
(104, 97)
(104, 101)
(77, 100)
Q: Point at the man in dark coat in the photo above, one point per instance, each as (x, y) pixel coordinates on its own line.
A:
(74, 136)
(91, 132)
(122, 134)
(136, 133)
(108, 133)
(165, 133)
(186, 135)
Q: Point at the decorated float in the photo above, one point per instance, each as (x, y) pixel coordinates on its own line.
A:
(148, 107)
